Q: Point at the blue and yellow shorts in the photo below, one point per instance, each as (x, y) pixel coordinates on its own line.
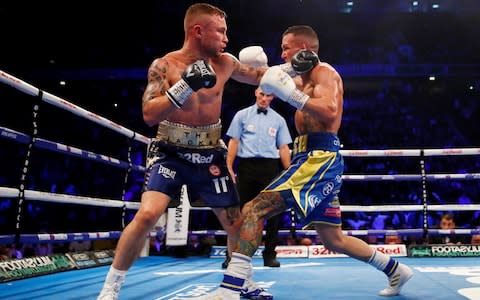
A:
(312, 182)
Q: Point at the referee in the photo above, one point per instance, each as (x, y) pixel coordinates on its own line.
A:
(259, 139)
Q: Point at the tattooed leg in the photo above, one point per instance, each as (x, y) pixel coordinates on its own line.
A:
(255, 212)
(231, 219)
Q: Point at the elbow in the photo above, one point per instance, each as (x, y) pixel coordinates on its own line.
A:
(149, 120)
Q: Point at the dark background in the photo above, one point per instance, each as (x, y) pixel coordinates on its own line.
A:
(384, 50)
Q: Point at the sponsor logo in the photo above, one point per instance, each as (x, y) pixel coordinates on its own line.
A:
(101, 254)
(444, 250)
(191, 291)
(454, 250)
(80, 256)
(452, 151)
(313, 200)
(393, 152)
(328, 188)
(296, 251)
(321, 251)
(9, 134)
(200, 289)
(193, 70)
(221, 251)
(420, 251)
(178, 218)
(389, 250)
(272, 131)
(196, 158)
(214, 170)
(332, 212)
(166, 172)
(218, 252)
(358, 153)
(33, 266)
(204, 69)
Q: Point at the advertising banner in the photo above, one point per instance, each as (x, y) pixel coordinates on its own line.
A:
(34, 266)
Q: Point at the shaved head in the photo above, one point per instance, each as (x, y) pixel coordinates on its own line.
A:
(197, 13)
(305, 35)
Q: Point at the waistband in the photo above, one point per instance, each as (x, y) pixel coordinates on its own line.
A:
(259, 159)
(326, 141)
(198, 137)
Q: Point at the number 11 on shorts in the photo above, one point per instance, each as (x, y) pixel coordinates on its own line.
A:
(221, 184)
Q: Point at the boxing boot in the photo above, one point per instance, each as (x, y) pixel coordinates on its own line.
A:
(270, 259)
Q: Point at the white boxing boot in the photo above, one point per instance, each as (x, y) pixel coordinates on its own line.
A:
(395, 282)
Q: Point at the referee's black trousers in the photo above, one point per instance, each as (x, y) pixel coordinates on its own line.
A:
(253, 175)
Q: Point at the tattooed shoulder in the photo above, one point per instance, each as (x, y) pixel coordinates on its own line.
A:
(158, 70)
(157, 80)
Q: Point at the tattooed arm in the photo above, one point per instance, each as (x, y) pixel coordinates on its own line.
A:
(245, 73)
(155, 104)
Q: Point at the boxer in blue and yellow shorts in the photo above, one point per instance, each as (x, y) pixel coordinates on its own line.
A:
(312, 182)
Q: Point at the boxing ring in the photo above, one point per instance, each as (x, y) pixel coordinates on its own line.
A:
(159, 277)
(163, 278)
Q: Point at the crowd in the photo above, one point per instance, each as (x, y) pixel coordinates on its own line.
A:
(389, 112)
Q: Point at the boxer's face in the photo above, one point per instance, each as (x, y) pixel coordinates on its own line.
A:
(291, 44)
(214, 35)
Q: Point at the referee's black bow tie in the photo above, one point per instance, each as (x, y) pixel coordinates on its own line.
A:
(261, 111)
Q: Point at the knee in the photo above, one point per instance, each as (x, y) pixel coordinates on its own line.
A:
(251, 212)
(233, 227)
(146, 218)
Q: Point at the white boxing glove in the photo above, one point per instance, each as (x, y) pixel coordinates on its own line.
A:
(253, 56)
(277, 82)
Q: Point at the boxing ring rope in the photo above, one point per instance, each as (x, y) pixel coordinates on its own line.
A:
(33, 141)
(410, 152)
(64, 104)
(365, 232)
(67, 150)
(72, 151)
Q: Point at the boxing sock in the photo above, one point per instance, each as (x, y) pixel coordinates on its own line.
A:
(115, 276)
(383, 262)
(237, 271)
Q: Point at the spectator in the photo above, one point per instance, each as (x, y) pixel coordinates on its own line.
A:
(392, 239)
(79, 246)
(447, 222)
(306, 241)
(475, 240)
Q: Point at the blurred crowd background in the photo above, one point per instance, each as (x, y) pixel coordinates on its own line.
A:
(411, 74)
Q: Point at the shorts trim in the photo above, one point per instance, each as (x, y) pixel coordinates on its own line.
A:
(320, 222)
